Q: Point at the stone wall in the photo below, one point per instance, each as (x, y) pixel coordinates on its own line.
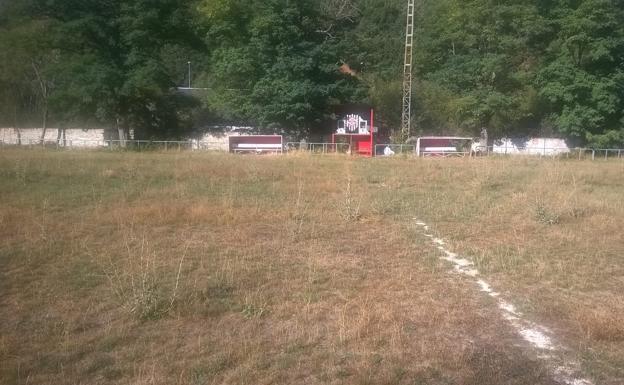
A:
(532, 146)
(215, 139)
(74, 137)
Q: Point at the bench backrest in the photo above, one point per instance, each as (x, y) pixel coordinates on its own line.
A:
(255, 142)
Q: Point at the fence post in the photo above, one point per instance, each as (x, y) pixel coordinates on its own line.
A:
(593, 154)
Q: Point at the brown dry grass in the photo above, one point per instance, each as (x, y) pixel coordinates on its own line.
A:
(208, 269)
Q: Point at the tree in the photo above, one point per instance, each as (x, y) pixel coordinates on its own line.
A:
(583, 82)
(516, 67)
(480, 57)
(373, 48)
(272, 64)
(113, 62)
(29, 69)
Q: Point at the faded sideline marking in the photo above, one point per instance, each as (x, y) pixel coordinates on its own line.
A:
(536, 335)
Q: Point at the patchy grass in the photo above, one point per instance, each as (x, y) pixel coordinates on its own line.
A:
(185, 268)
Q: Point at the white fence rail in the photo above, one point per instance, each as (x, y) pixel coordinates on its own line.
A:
(561, 152)
(140, 145)
(318, 148)
(381, 150)
(395, 149)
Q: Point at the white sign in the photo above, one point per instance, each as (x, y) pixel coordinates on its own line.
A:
(353, 124)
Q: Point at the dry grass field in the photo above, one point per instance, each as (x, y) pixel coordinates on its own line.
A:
(187, 268)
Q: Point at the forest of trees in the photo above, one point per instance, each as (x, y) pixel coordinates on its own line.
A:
(515, 67)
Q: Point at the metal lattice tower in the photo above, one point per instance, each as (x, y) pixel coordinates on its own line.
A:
(407, 72)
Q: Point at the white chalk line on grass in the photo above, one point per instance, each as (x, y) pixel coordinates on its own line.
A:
(538, 336)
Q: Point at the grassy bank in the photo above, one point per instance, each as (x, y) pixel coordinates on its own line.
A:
(185, 268)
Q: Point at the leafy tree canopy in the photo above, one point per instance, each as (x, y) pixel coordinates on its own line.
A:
(516, 67)
(273, 64)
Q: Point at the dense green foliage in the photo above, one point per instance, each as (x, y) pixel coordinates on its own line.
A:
(270, 66)
(110, 62)
(516, 67)
(521, 67)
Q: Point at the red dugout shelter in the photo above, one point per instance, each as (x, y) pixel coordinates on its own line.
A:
(357, 130)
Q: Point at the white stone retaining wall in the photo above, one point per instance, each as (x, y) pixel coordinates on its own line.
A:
(75, 137)
(533, 146)
(89, 138)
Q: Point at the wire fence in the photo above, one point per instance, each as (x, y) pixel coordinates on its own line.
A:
(318, 148)
(395, 149)
(554, 152)
(132, 145)
(387, 150)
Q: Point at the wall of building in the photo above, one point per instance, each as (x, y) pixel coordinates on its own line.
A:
(534, 146)
(211, 141)
(217, 139)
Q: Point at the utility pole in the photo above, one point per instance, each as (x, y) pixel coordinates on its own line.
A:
(406, 117)
(189, 74)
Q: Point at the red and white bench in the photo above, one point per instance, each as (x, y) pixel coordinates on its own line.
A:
(257, 144)
(439, 151)
(443, 146)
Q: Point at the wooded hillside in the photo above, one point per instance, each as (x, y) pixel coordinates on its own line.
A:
(516, 67)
